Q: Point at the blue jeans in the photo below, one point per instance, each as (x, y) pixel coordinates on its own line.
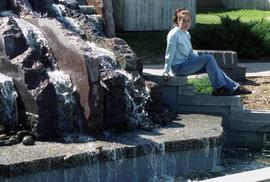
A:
(205, 63)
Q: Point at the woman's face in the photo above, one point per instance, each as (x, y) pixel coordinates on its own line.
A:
(184, 22)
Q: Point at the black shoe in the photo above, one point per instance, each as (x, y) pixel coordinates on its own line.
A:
(222, 91)
(241, 90)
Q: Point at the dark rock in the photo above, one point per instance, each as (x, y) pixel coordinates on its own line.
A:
(10, 5)
(28, 140)
(41, 6)
(17, 74)
(117, 106)
(2, 128)
(72, 4)
(3, 137)
(5, 143)
(113, 80)
(146, 124)
(158, 112)
(34, 77)
(14, 140)
(23, 133)
(2, 5)
(155, 95)
(46, 101)
(8, 104)
(14, 40)
(89, 10)
(125, 57)
(32, 120)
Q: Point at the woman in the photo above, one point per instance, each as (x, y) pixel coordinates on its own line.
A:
(181, 60)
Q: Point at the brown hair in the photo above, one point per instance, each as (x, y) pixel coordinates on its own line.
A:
(179, 13)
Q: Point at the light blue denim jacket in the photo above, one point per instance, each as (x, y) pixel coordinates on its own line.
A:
(178, 48)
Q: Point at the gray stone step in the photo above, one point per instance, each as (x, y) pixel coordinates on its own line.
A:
(227, 61)
(209, 100)
(224, 58)
(186, 90)
(250, 120)
(173, 81)
(169, 89)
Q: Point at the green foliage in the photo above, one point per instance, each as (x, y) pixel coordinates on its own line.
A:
(249, 40)
(201, 85)
(212, 17)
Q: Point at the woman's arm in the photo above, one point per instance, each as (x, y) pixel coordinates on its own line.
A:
(170, 52)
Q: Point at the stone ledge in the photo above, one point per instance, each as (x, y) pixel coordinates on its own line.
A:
(224, 58)
(174, 81)
(209, 100)
(251, 121)
(228, 61)
(188, 133)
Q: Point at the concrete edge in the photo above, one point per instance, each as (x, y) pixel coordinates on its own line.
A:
(80, 159)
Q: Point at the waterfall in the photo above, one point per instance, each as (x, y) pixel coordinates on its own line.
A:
(65, 101)
(8, 105)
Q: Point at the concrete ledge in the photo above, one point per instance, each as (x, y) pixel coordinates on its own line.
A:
(224, 58)
(209, 100)
(186, 90)
(191, 132)
(252, 121)
(174, 81)
(244, 139)
(228, 61)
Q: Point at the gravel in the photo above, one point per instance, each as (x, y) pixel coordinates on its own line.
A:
(260, 97)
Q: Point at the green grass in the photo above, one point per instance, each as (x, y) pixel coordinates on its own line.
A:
(212, 17)
(201, 85)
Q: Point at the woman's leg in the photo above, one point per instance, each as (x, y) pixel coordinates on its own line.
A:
(205, 63)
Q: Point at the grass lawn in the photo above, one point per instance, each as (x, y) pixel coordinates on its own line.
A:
(245, 16)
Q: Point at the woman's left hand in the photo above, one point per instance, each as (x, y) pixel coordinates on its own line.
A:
(166, 76)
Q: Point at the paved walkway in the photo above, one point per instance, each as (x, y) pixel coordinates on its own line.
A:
(257, 69)
(253, 69)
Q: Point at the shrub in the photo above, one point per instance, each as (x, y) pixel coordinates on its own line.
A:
(201, 85)
(249, 40)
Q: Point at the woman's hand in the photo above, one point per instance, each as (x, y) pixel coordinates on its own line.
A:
(166, 76)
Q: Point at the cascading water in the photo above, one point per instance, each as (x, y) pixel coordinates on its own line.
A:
(8, 96)
(66, 102)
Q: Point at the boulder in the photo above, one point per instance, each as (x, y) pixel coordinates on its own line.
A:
(2, 5)
(14, 40)
(70, 51)
(158, 112)
(41, 94)
(118, 108)
(8, 104)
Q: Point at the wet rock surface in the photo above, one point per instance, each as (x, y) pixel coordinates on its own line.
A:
(70, 74)
(189, 132)
(159, 112)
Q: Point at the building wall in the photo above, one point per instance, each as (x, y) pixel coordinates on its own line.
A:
(148, 15)
(247, 4)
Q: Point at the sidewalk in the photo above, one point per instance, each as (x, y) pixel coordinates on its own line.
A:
(257, 69)
(253, 69)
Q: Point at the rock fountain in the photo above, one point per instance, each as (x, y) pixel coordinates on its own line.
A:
(67, 81)
(60, 73)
